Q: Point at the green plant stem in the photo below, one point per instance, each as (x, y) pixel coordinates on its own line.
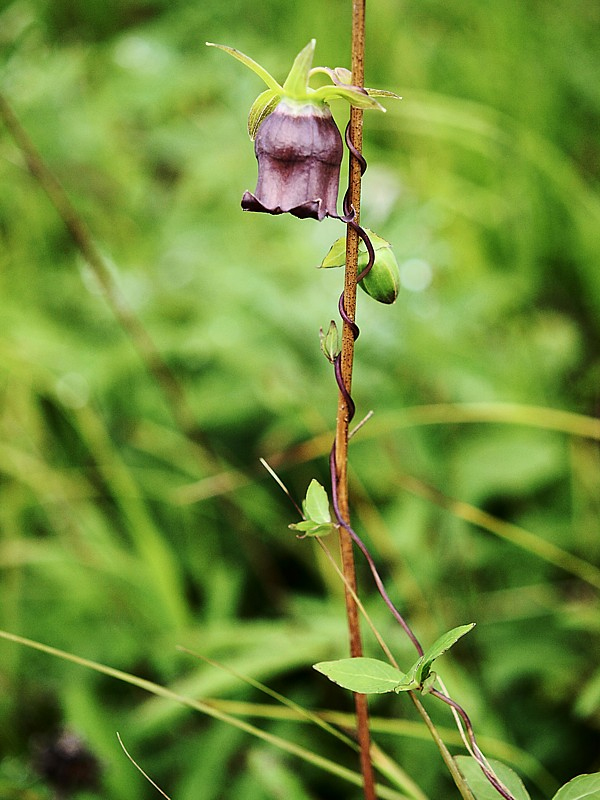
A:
(83, 240)
(450, 763)
(342, 421)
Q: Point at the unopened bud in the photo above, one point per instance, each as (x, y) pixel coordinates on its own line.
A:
(330, 343)
(382, 282)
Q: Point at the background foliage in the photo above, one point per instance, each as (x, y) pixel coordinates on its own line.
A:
(122, 537)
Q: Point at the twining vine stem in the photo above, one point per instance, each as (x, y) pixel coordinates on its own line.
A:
(346, 358)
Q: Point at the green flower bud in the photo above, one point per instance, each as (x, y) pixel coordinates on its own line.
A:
(382, 282)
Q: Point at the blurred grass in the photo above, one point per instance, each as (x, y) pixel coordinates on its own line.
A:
(485, 179)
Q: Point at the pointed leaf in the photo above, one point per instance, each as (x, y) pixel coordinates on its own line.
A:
(251, 64)
(583, 786)
(420, 670)
(336, 257)
(364, 675)
(316, 504)
(261, 108)
(445, 642)
(296, 83)
(330, 342)
(482, 788)
(309, 528)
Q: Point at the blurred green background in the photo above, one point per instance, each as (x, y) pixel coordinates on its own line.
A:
(122, 535)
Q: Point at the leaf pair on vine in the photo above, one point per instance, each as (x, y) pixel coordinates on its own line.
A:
(373, 676)
(315, 510)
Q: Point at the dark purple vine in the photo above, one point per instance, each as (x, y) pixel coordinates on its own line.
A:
(349, 217)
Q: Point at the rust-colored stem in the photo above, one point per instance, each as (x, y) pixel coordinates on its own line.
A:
(342, 423)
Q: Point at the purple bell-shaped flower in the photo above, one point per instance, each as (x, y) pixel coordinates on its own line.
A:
(297, 143)
(299, 151)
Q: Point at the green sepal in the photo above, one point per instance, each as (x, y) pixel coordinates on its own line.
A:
(261, 108)
(353, 95)
(383, 93)
(296, 83)
(364, 675)
(251, 64)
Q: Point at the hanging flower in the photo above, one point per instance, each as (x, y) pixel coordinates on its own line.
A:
(297, 143)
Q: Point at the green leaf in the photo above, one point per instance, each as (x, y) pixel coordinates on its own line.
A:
(309, 528)
(445, 642)
(261, 108)
(316, 504)
(251, 64)
(330, 342)
(336, 257)
(296, 83)
(483, 789)
(419, 672)
(583, 786)
(364, 675)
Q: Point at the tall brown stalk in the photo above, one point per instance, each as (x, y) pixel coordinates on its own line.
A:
(347, 360)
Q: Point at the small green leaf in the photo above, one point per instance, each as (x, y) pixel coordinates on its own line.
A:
(309, 528)
(251, 64)
(483, 789)
(316, 504)
(445, 642)
(330, 342)
(583, 786)
(336, 257)
(419, 672)
(261, 108)
(296, 83)
(364, 675)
